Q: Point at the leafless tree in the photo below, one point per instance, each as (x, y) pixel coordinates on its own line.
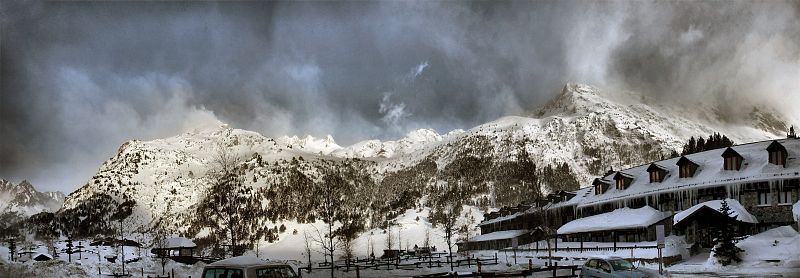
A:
(546, 229)
(427, 240)
(447, 218)
(307, 248)
(389, 238)
(229, 205)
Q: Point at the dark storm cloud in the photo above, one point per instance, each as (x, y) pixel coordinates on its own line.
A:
(80, 78)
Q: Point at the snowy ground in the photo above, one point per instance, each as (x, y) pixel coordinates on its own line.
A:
(773, 253)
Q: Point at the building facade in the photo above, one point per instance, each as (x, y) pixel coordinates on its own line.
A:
(762, 178)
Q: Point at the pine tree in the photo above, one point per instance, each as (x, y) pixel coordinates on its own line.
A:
(725, 249)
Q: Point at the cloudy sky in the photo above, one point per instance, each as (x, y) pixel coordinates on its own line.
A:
(77, 79)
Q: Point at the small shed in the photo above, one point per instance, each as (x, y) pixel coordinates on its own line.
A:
(390, 253)
(42, 257)
(176, 247)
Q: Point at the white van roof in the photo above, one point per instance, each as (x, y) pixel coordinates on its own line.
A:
(241, 261)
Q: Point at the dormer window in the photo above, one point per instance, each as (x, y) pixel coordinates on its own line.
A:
(623, 180)
(732, 160)
(600, 186)
(657, 173)
(686, 167)
(777, 154)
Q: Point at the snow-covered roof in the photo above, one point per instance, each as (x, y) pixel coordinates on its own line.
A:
(738, 210)
(499, 219)
(755, 168)
(241, 261)
(498, 235)
(619, 219)
(179, 242)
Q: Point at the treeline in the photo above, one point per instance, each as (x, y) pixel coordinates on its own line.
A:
(714, 141)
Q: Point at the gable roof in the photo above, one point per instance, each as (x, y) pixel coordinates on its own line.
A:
(600, 181)
(655, 167)
(684, 160)
(739, 211)
(729, 152)
(620, 175)
(776, 146)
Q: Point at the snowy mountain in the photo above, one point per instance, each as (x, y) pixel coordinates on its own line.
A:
(576, 136)
(24, 199)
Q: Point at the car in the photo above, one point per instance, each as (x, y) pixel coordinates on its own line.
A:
(610, 268)
(247, 267)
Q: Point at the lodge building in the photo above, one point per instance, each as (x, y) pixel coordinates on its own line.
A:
(760, 181)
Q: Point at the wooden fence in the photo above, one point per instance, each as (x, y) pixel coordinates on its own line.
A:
(406, 263)
(583, 249)
(574, 270)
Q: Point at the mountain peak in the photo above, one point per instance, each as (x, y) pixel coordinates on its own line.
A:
(573, 99)
(24, 198)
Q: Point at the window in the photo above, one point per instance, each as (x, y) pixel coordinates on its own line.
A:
(764, 198)
(785, 197)
(222, 273)
(605, 267)
(732, 163)
(275, 272)
(655, 176)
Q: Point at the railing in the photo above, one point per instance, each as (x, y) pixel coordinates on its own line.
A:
(358, 265)
(582, 249)
(573, 272)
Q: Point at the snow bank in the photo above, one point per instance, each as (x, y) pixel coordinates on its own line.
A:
(499, 235)
(778, 244)
(738, 210)
(623, 218)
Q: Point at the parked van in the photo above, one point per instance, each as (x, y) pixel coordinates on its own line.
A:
(247, 267)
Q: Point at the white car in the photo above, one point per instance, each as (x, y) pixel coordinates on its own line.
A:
(247, 267)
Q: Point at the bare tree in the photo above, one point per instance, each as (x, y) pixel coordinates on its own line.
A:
(307, 248)
(444, 214)
(546, 229)
(159, 236)
(389, 239)
(231, 206)
(338, 211)
(427, 240)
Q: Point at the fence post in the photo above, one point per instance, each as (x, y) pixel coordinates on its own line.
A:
(358, 272)
(530, 264)
(555, 268)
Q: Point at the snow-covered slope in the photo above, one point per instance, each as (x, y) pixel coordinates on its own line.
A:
(23, 198)
(567, 142)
